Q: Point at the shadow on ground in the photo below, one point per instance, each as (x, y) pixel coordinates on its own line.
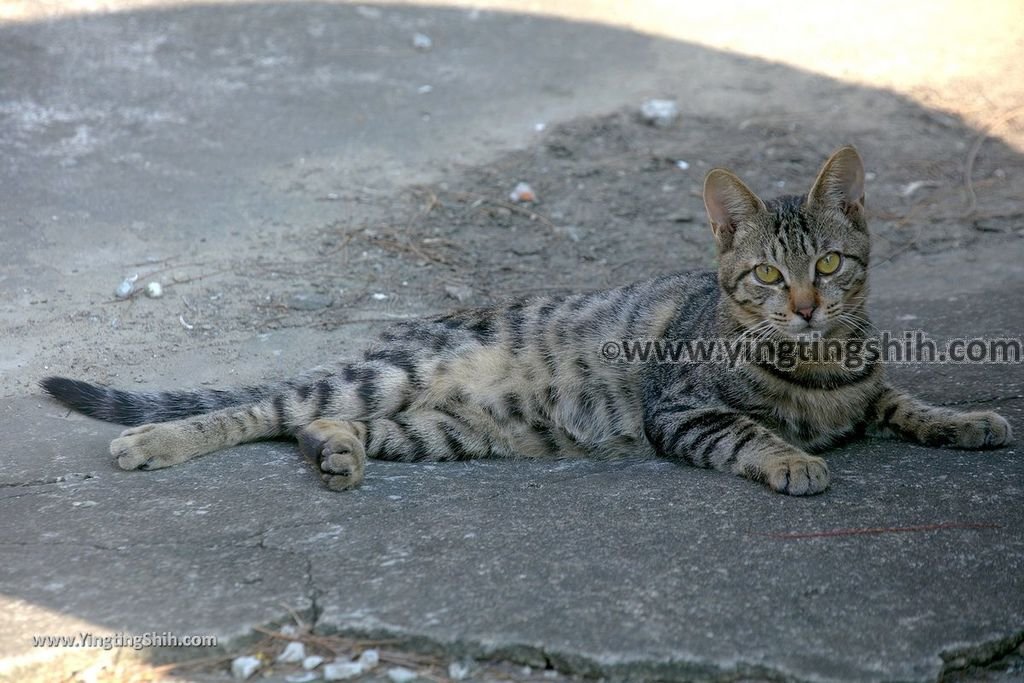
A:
(298, 174)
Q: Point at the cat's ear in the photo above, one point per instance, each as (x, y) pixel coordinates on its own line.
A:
(840, 183)
(729, 202)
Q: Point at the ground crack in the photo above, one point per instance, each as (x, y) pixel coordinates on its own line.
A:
(71, 477)
(987, 655)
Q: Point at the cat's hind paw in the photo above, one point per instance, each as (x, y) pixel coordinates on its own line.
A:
(336, 448)
(149, 447)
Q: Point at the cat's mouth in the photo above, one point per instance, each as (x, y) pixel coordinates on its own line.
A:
(806, 330)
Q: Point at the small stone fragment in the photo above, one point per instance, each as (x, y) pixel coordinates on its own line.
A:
(244, 667)
(342, 670)
(312, 662)
(293, 652)
(127, 286)
(154, 290)
(660, 113)
(421, 41)
(310, 301)
(400, 674)
(523, 193)
(369, 659)
(304, 677)
(458, 671)
(460, 293)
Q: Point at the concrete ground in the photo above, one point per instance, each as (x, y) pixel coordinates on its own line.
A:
(270, 165)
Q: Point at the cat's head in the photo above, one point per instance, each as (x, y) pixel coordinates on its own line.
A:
(795, 265)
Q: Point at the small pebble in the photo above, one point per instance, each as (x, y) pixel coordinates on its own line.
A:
(422, 41)
(127, 286)
(154, 290)
(310, 301)
(312, 662)
(400, 674)
(458, 671)
(293, 652)
(244, 667)
(460, 293)
(660, 113)
(380, 296)
(369, 659)
(523, 193)
(682, 165)
(304, 677)
(341, 670)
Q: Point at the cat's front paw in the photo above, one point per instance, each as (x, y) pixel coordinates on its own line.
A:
(149, 447)
(982, 429)
(798, 474)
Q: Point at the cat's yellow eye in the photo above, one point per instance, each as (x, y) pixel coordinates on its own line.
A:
(829, 263)
(767, 274)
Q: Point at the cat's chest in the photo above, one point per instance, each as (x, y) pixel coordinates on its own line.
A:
(813, 418)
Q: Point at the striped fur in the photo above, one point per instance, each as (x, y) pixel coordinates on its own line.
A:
(527, 378)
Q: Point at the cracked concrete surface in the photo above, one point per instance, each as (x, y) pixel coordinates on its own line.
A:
(209, 130)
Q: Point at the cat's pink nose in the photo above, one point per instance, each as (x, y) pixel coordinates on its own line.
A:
(806, 313)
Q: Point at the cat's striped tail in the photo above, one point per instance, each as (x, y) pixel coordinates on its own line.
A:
(133, 408)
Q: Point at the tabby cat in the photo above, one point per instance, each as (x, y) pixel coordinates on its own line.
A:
(528, 378)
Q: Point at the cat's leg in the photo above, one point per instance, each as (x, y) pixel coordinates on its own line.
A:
(433, 435)
(899, 415)
(731, 442)
(162, 444)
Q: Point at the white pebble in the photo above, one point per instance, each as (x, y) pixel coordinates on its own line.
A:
(244, 667)
(369, 659)
(523, 193)
(154, 290)
(380, 296)
(422, 41)
(293, 652)
(682, 165)
(661, 113)
(342, 670)
(304, 677)
(400, 674)
(127, 286)
(458, 671)
(289, 630)
(312, 662)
